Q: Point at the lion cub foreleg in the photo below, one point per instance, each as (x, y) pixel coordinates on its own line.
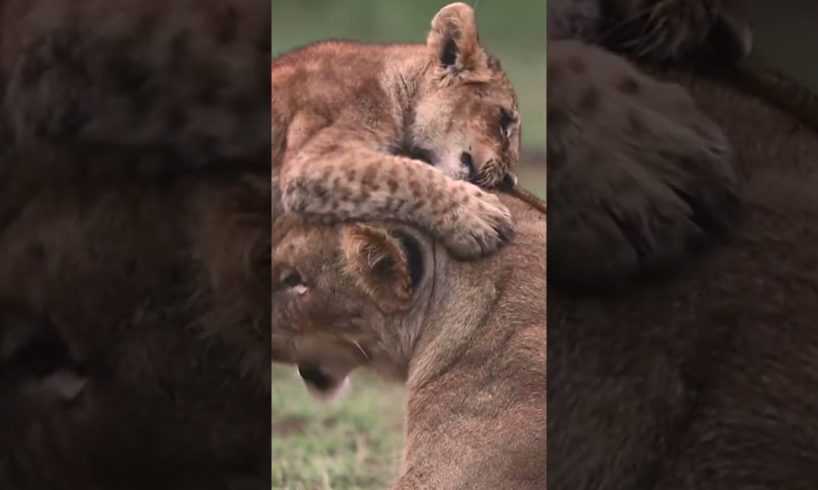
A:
(343, 180)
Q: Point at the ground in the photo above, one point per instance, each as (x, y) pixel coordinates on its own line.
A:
(351, 444)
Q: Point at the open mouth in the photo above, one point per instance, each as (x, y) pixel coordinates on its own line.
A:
(321, 383)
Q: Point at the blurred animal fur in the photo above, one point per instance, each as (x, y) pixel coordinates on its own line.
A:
(706, 379)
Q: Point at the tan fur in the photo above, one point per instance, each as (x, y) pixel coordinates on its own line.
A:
(638, 175)
(470, 344)
(379, 266)
(352, 124)
(706, 380)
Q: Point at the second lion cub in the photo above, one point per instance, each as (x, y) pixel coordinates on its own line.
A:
(396, 131)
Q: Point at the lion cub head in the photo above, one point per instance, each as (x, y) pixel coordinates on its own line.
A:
(466, 120)
(341, 297)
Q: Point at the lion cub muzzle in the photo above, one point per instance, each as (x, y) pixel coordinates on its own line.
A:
(322, 384)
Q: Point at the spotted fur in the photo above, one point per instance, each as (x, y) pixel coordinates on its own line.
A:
(180, 79)
(397, 131)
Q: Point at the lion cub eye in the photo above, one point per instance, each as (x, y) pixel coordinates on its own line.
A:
(506, 120)
(289, 278)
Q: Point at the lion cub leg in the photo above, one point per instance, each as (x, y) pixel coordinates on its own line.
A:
(338, 179)
(637, 174)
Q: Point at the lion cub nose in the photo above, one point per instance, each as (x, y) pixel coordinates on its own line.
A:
(314, 376)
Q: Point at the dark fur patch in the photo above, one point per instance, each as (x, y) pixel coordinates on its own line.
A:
(414, 152)
(414, 258)
(629, 85)
(449, 54)
(494, 63)
(28, 345)
(226, 26)
(589, 99)
(189, 252)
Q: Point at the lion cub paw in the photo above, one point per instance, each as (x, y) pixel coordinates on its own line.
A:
(638, 176)
(476, 225)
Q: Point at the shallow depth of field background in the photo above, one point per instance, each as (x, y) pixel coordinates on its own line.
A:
(355, 444)
(786, 37)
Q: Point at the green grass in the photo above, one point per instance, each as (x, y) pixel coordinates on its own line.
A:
(354, 443)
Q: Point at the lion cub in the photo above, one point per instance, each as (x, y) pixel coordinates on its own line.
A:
(468, 338)
(396, 131)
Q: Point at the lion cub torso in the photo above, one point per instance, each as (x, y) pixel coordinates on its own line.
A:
(314, 86)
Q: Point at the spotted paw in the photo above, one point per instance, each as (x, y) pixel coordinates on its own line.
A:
(478, 225)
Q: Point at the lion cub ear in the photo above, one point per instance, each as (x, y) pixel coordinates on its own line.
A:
(455, 41)
(379, 265)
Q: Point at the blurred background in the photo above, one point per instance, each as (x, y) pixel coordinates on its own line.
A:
(356, 444)
(786, 37)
